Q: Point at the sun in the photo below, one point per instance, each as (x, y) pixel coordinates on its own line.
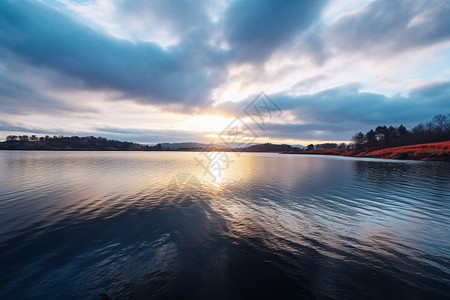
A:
(207, 123)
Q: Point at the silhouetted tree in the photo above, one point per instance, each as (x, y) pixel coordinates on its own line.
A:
(434, 131)
(402, 131)
(326, 146)
(439, 122)
(12, 138)
(371, 139)
(359, 140)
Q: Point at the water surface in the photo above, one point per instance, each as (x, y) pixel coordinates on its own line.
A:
(156, 225)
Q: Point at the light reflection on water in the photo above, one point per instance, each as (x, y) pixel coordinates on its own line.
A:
(153, 224)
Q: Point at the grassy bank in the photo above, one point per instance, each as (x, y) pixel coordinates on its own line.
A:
(432, 151)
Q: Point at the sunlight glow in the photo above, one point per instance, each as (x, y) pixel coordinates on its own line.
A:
(206, 123)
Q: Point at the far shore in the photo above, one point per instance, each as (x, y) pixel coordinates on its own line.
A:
(427, 152)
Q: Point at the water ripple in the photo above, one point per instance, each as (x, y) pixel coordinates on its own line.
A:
(77, 224)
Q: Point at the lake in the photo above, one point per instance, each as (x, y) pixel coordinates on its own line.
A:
(139, 225)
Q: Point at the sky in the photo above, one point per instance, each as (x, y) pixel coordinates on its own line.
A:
(295, 72)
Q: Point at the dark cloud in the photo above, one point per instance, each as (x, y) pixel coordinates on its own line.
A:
(308, 82)
(176, 17)
(256, 28)
(141, 71)
(346, 103)
(335, 114)
(436, 92)
(20, 98)
(12, 128)
(150, 135)
(313, 45)
(179, 77)
(183, 76)
(8, 127)
(311, 131)
(392, 27)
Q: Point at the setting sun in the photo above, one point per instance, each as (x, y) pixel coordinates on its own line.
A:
(206, 123)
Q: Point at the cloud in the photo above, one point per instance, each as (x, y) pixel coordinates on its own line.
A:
(144, 72)
(310, 131)
(20, 98)
(179, 78)
(150, 136)
(379, 31)
(348, 102)
(8, 127)
(308, 82)
(337, 113)
(387, 28)
(438, 92)
(28, 128)
(174, 17)
(333, 114)
(254, 29)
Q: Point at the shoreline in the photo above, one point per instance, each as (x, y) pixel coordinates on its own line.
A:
(439, 151)
(426, 152)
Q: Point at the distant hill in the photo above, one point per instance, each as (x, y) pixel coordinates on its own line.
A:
(268, 147)
(301, 147)
(188, 145)
(194, 145)
(90, 143)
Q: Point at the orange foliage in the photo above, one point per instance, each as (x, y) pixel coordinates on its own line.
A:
(433, 151)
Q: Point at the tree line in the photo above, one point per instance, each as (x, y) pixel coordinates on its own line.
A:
(72, 142)
(436, 130)
(327, 146)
